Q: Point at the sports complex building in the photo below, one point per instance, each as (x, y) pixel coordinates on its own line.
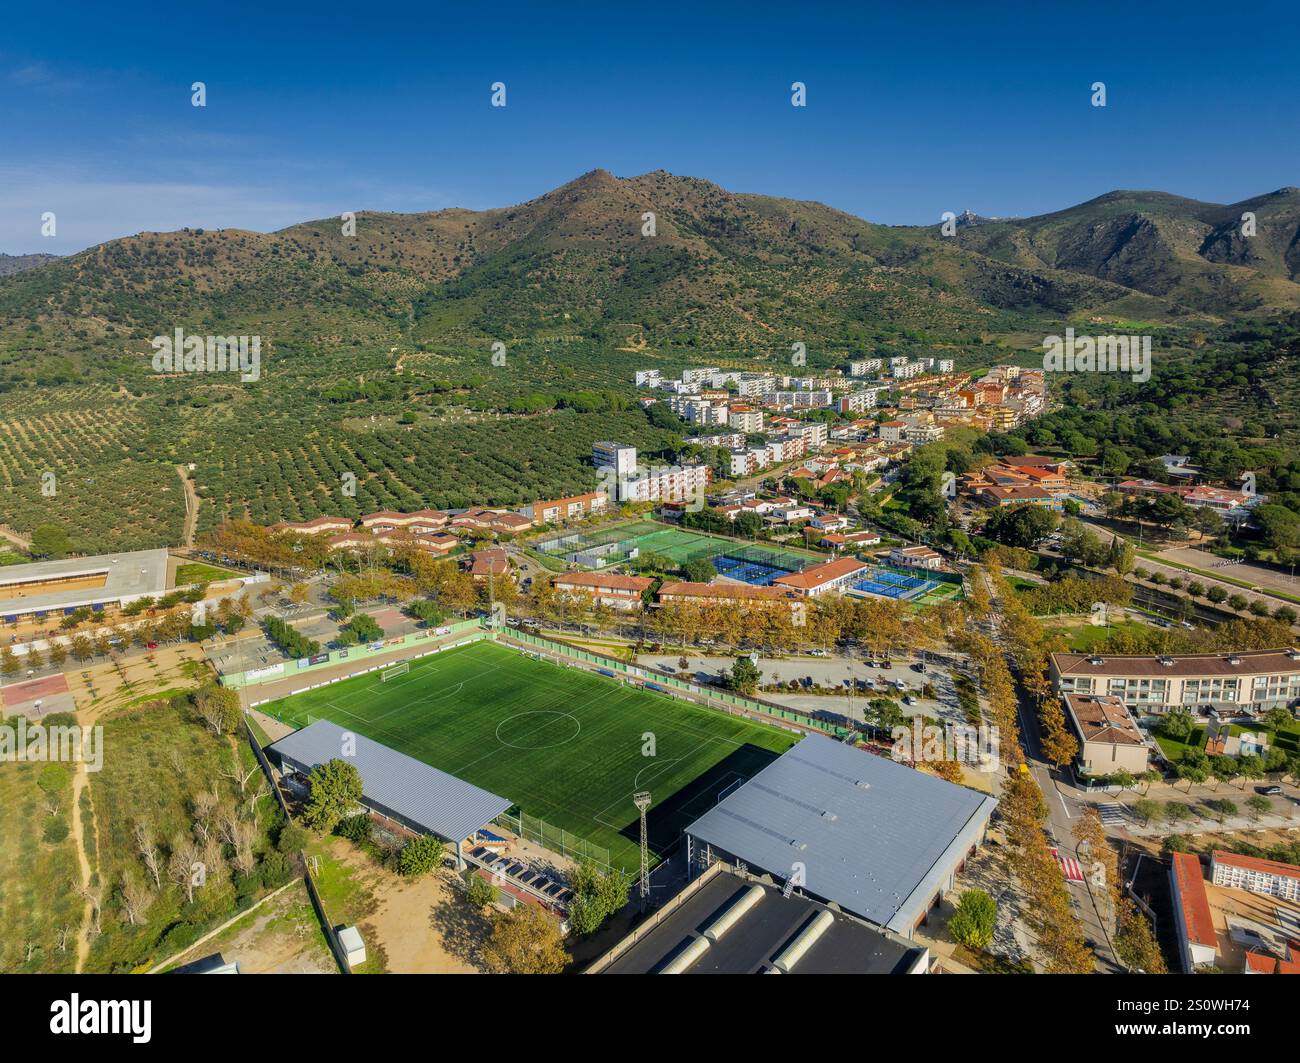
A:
(727, 922)
(54, 588)
(767, 565)
(871, 837)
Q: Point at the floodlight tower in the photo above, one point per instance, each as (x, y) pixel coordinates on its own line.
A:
(642, 801)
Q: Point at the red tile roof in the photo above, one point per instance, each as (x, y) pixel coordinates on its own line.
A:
(1194, 900)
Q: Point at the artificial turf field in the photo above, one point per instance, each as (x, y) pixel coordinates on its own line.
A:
(564, 744)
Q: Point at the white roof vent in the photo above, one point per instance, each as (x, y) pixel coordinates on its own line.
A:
(1233, 659)
(1168, 662)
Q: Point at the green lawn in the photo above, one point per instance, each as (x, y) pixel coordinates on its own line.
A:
(198, 572)
(565, 745)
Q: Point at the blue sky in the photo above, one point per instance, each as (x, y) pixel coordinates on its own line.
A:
(913, 108)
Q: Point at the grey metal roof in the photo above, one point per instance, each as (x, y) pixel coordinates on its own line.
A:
(127, 576)
(440, 803)
(876, 837)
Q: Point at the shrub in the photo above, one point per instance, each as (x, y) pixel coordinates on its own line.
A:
(975, 919)
(420, 855)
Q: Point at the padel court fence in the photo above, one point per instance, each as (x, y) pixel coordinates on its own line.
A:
(673, 686)
(556, 839)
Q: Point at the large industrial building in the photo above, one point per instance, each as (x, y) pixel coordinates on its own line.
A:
(54, 588)
(726, 922)
(854, 830)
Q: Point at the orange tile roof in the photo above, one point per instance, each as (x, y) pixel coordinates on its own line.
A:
(1195, 902)
(1254, 863)
(604, 581)
(819, 575)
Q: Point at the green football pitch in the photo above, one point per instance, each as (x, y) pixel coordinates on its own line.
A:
(563, 744)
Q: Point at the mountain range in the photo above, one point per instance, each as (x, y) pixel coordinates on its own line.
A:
(722, 271)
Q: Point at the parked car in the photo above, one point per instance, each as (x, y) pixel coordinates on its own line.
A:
(818, 653)
(918, 667)
(1270, 791)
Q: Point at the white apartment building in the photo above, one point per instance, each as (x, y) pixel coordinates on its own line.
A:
(648, 378)
(1252, 679)
(753, 384)
(808, 400)
(696, 377)
(866, 366)
(923, 433)
(665, 483)
(617, 456)
(1269, 877)
(859, 401)
(814, 434)
(908, 370)
(745, 419)
(945, 365)
(707, 413)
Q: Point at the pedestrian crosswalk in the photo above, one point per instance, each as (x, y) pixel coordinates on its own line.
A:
(1113, 814)
(1069, 867)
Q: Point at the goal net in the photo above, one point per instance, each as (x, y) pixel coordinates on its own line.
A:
(394, 672)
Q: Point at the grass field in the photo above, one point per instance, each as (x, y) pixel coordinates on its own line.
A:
(565, 745)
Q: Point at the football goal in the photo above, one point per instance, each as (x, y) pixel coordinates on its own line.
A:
(395, 671)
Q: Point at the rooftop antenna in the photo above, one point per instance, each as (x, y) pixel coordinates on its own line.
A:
(642, 801)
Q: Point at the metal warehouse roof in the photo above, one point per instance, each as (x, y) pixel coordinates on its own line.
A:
(876, 837)
(440, 803)
(128, 575)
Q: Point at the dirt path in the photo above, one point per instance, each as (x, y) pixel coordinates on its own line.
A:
(80, 784)
(191, 505)
(14, 537)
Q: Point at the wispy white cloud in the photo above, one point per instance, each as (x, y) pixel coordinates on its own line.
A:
(89, 210)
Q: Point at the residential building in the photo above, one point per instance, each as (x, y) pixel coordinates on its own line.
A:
(575, 507)
(745, 419)
(685, 592)
(605, 588)
(1270, 877)
(1109, 739)
(915, 557)
(315, 526)
(617, 456)
(1252, 680)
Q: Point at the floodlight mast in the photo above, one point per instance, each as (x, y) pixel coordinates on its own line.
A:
(642, 801)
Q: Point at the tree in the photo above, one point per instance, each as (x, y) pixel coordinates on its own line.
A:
(420, 855)
(700, 570)
(50, 541)
(1147, 809)
(743, 676)
(479, 891)
(361, 628)
(1259, 805)
(218, 707)
(336, 790)
(597, 895)
(525, 940)
(426, 611)
(9, 663)
(975, 919)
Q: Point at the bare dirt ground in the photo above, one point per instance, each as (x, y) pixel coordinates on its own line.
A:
(113, 684)
(423, 925)
(283, 936)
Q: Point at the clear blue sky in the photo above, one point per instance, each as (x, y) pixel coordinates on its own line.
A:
(914, 108)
